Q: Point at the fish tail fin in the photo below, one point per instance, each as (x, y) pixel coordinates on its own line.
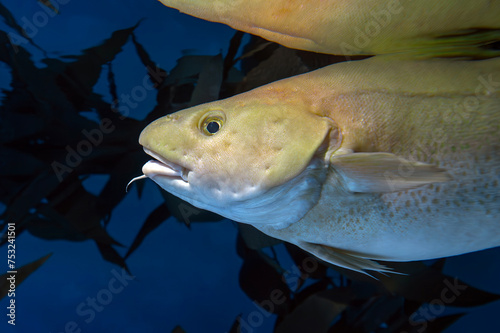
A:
(470, 43)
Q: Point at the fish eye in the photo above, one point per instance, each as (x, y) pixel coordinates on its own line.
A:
(212, 123)
(213, 127)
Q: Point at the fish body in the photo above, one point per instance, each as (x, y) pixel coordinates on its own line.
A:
(385, 158)
(350, 27)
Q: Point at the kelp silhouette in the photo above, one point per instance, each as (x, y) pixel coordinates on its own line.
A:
(49, 146)
(41, 174)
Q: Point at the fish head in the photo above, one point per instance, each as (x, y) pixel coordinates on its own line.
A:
(241, 158)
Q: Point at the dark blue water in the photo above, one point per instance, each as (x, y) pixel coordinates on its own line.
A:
(182, 276)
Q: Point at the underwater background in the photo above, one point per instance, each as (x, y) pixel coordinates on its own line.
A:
(80, 80)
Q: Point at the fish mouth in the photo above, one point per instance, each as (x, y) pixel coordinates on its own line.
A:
(161, 167)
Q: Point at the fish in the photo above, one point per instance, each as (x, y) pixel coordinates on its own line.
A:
(359, 27)
(382, 159)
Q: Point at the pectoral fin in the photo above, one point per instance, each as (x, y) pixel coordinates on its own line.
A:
(343, 259)
(384, 172)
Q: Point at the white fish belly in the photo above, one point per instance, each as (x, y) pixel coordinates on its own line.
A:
(436, 220)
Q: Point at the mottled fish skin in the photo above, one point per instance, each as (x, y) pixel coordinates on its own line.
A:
(441, 112)
(349, 27)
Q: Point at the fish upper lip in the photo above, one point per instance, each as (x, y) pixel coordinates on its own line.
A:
(166, 168)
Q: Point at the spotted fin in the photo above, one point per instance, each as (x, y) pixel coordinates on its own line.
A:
(344, 259)
(384, 172)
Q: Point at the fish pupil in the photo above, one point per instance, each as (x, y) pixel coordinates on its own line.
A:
(213, 127)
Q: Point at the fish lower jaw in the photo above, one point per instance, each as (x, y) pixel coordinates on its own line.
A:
(154, 168)
(164, 168)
